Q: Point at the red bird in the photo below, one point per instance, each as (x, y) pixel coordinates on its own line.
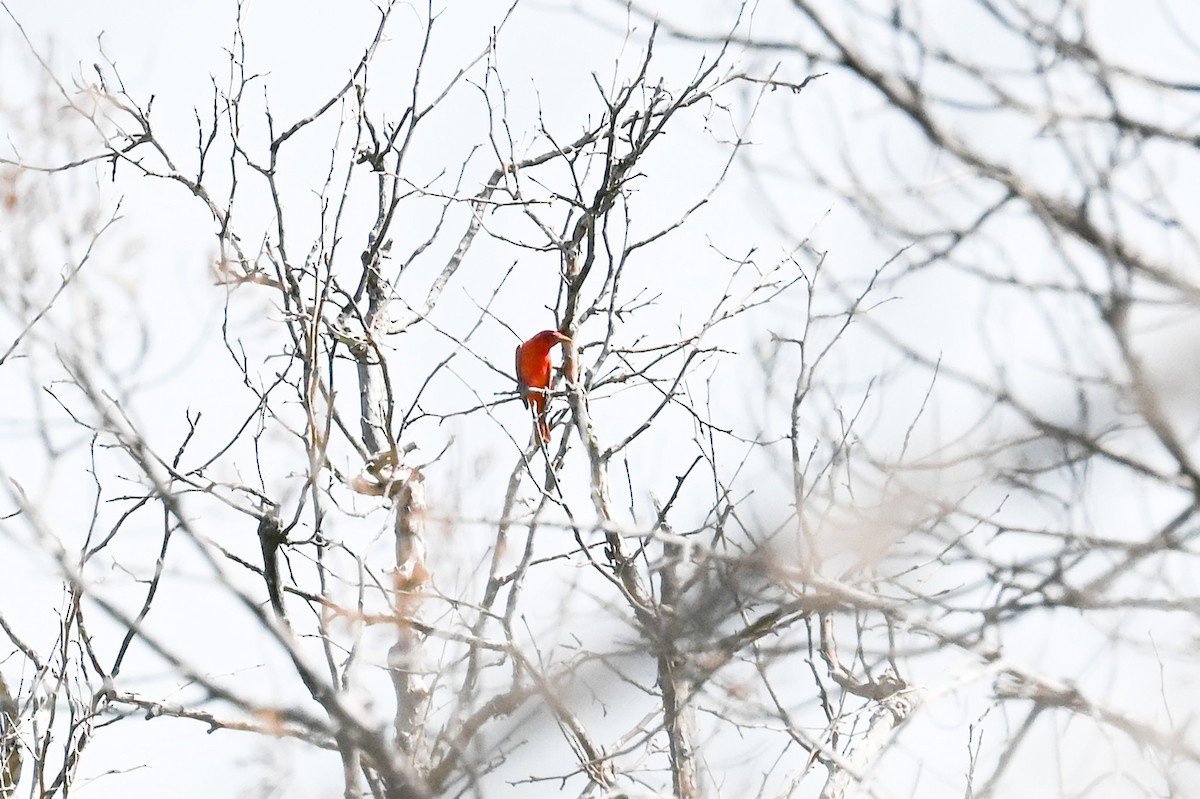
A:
(533, 375)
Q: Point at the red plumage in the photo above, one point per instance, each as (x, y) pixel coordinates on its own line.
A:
(533, 375)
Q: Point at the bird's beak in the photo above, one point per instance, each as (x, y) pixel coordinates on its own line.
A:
(562, 338)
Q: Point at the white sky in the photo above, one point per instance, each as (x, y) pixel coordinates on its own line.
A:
(546, 59)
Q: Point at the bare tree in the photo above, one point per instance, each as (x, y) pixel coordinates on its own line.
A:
(1022, 544)
(804, 498)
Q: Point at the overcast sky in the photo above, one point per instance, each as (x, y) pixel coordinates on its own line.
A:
(550, 58)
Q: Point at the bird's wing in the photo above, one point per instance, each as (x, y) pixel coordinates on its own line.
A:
(522, 386)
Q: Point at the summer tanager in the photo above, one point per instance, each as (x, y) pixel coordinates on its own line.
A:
(533, 375)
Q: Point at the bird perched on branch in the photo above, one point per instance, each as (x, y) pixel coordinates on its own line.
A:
(533, 376)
